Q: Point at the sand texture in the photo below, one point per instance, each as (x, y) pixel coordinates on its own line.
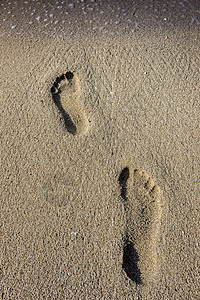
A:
(100, 155)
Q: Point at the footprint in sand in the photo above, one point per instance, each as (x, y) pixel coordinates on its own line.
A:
(66, 94)
(142, 204)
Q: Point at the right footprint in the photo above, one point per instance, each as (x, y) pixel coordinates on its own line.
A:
(66, 95)
(142, 202)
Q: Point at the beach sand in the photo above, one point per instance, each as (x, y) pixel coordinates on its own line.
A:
(100, 151)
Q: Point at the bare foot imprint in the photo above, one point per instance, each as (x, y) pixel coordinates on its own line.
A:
(142, 204)
(66, 95)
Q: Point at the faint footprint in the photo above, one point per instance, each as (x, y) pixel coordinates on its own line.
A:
(66, 95)
(143, 212)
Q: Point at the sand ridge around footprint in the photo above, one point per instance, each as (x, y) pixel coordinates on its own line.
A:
(142, 203)
(66, 92)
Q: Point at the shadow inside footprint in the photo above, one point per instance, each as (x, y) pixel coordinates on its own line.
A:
(130, 255)
(55, 91)
(123, 177)
(130, 261)
(68, 121)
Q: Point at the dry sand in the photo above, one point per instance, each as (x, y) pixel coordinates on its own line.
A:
(100, 151)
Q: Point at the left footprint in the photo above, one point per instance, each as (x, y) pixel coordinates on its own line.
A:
(66, 94)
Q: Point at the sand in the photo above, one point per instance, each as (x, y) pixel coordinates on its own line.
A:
(100, 151)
